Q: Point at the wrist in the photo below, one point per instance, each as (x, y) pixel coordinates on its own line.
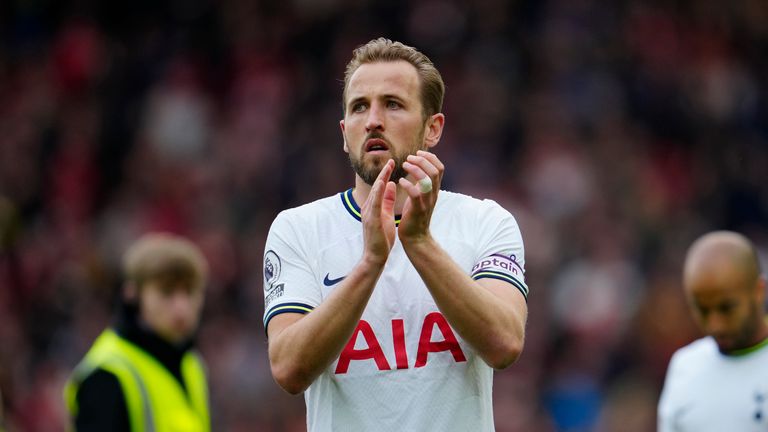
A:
(372, 262)
(422, 243)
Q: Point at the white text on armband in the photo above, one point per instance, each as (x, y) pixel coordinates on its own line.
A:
(499, 262)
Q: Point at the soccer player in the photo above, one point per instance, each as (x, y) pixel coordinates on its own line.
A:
(720, 382)
(143, 374)
(391, 303)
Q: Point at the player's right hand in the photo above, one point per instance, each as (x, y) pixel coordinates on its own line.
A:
(378, 217)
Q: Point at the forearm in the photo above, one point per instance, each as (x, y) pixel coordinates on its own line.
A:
(492, 322)
(300, 351)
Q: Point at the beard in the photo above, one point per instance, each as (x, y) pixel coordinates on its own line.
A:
(368, 167)
(745, 337)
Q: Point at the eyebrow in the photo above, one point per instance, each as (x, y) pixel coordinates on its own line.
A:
(356, 100)
(384, 97)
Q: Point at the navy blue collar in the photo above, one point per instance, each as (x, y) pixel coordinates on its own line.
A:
(349, 203)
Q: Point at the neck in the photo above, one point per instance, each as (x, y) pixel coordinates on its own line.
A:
(748, 350)
(363, 189)
(129, 326)
(758, 342)
(130, 323)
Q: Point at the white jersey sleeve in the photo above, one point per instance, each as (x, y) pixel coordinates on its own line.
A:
(289, 285)
(666, 409)
(502, 252)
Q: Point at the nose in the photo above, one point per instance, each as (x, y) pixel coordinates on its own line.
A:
(181, 304)
(716, 324)
(375, 119)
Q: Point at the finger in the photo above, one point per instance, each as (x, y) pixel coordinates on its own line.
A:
(416, 171)
(374, 197)
(425, 164)
(388, 200)
(425, 185)
(432, 158)
(386, 171)
(373, 200)
(423, 181)
(411, 189)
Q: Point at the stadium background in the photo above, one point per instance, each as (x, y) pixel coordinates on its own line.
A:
(615, 132)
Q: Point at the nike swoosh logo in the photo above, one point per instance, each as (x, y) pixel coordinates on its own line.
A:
(330, 282)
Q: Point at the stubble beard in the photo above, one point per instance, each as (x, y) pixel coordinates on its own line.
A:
(745, 338)
(369, 170)
(369, 167)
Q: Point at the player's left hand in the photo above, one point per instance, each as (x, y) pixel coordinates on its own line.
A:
(417, 212)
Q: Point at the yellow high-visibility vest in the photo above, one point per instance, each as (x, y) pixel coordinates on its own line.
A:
(156, 401)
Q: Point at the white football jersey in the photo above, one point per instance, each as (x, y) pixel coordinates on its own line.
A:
(706, 390)
(404, 367)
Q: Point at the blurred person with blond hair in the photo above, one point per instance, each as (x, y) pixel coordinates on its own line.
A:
(390, 304)
(143, 374)
(720, 382)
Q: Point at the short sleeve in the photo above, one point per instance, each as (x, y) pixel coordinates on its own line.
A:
(665, 421)
(502, 254)
(289, 285)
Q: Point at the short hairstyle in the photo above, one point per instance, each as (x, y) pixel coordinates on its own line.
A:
(165, 258)
(385, 50)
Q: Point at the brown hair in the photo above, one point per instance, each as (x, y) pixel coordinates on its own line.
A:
(166, 258)
(385, 50)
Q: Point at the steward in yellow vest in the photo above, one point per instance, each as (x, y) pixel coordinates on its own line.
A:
(143, 374)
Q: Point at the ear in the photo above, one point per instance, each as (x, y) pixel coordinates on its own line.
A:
(760, 286)
(434, 129)
(344, 135)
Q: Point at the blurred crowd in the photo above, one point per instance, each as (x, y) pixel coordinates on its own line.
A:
(615, 132)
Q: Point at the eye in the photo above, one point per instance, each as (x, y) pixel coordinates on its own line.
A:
(393, 105)
(359, 107)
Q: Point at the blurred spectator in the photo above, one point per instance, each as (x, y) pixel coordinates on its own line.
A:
(143, 373)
